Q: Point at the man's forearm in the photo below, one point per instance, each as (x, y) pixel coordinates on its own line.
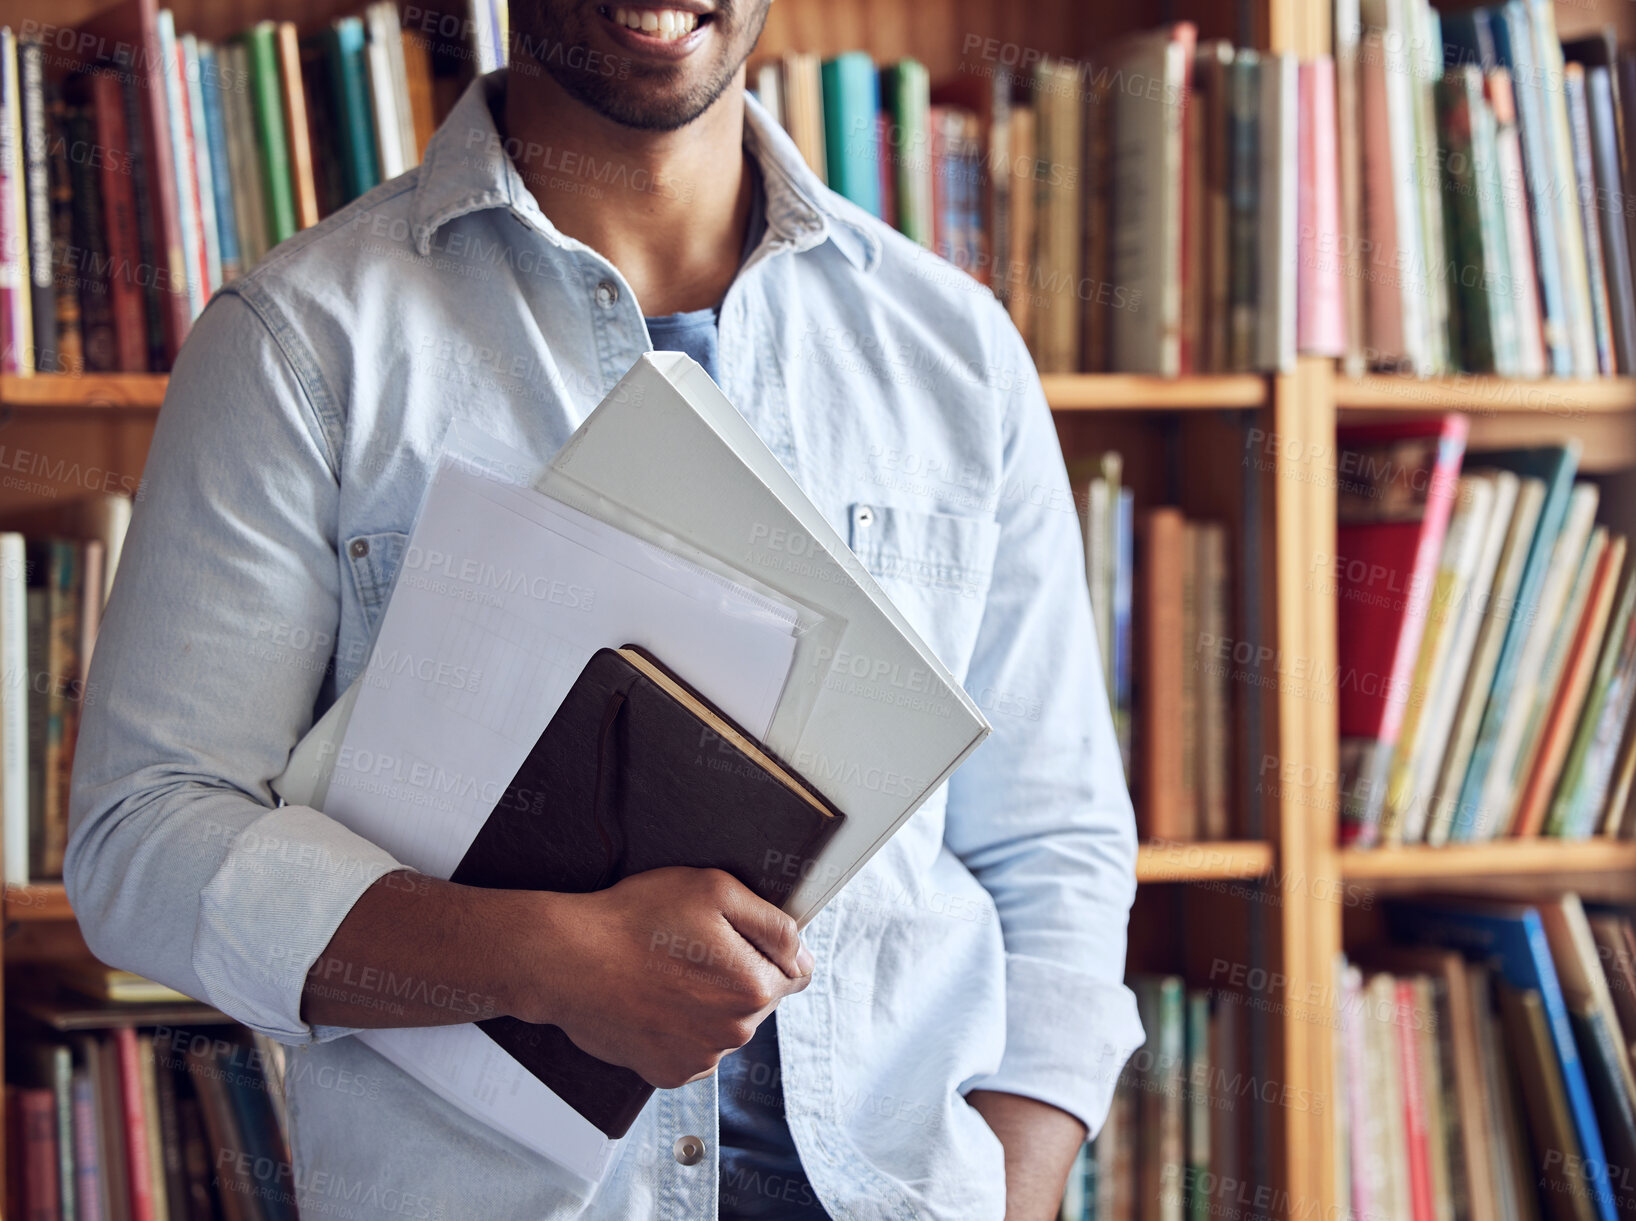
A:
(1040, 1142)
(419, 951)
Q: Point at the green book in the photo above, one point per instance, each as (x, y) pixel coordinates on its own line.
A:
(1560, 820)
(1460, 110)
(267, 96)
(1199, 1084)
(908, 90)
(1161, 1105)
(349, 76)
(852, 146)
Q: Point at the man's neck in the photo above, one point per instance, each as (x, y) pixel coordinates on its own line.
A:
(669, 209)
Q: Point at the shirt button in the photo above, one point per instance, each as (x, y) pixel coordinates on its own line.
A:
(689, 1150)
(607, 293)
(359, 548)
(866, 515)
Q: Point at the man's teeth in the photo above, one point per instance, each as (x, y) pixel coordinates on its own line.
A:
(664, 23)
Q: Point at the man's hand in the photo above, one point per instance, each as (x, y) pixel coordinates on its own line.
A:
(665, 972)
(1040, 1142)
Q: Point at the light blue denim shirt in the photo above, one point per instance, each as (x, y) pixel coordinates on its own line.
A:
(983, 947)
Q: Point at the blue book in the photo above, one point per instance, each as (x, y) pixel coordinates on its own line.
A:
(1556, 465)
(852, 143)
(258, 1133)
(227, 228)
(1514, 48)
(349, 77)
(1510, 938)
(1468, 38)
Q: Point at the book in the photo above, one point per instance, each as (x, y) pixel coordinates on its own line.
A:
(1510, 185)
(36, 178)
(113, 985)
(1320, 302)
(33, 1111)
(1511, 938)
(1275, 323)
(1393, 513)
(203, 177)
(344, 49)
(128, 1054)
(266, 85)
(16, 284)
(303, 191)
(185, 184)
(1609, 197)
(88, 1189)
(727, 807)
(1554, 466)
(1058, 235)
(221, 176)
(851, 92)
(1579, 127)
(1165, 811)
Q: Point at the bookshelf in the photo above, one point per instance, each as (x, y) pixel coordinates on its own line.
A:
(1266, 900)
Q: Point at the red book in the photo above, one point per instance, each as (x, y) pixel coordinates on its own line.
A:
(119, 213)
(1414, 1102)
(36, 1119)
(136, 1124)
(1395, 486)
(1320, 307)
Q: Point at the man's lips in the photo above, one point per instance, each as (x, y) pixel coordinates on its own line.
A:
(671, 32)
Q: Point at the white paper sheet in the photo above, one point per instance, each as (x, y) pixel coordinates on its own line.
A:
(501, 598)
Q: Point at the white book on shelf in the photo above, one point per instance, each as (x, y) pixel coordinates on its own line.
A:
(14, 675)
(381, 19)
(1444, 694)
(1495, 615)
(384, 105)
(1499, 791)
(1406, 803)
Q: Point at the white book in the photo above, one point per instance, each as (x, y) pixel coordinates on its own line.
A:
(482, 25)
(1349, 112)
(1499, 792)
(1280, 173)
(770, 93)
(1495, 616)
(14, 687)
(381, 18)
(1407, 804)
(181, 168)
(384, 105)
(203, 167)
(1098, 569)
(1523, 296)
(1444, 695)
(1425, 57)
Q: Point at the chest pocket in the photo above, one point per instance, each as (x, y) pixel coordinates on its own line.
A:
(936, 567)
(374, 560)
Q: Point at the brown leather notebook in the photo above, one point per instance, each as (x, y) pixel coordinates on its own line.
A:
(636, 771)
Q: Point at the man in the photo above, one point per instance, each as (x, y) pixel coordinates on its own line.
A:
(965, 1022)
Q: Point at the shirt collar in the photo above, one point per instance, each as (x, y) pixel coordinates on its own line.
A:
(466, 169)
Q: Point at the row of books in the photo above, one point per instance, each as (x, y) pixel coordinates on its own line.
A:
(1485, 1064)
(1485, 165)
(1161, 599)
(56, 568)
(1173, 1145)
(126, 199)
(1139, 212)
(1487, 642)
(165, 1124)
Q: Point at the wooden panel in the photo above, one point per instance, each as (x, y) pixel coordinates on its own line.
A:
(93, 391)
(45, 901)
(1203, 862)
(1130, 391)
(1562, 399)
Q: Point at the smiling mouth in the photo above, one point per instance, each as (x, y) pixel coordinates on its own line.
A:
(664, 25)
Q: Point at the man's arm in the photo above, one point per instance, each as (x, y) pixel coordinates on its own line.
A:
(210, 660)
(1040, 813)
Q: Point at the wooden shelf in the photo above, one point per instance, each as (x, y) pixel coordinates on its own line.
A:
(91, 391)
(41, 902)
(1562, 397)
(1508, 858)
(1137, 392)
(1218, 860)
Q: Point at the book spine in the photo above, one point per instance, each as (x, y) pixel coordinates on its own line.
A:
(1244, 184)
(1579, 126)
(295, 126)
(136, 1124)
(37, 182)
(1320, 302)
(1275, 329)
(204, 176)
(1523, 286)
(62, 1110)
(87, 1151)
(37, 1114)
(16, 323)
(344, 43)
(1611, 202)
(850, 105)
(262, 44)
(1415, 1131)
(155, 295)
(14, 708)
(1458, 101)
(125, 304)
(64, 263)
(1163, 813)
(91, 251)
(184, 180)
(221, 176)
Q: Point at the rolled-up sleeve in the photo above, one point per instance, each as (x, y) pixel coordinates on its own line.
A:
(212, 651)
(1041, 814)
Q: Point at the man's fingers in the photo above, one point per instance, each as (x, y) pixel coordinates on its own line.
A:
(764, 926)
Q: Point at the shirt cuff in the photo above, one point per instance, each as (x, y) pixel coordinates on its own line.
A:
(286, 884)
(1068, 1035)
